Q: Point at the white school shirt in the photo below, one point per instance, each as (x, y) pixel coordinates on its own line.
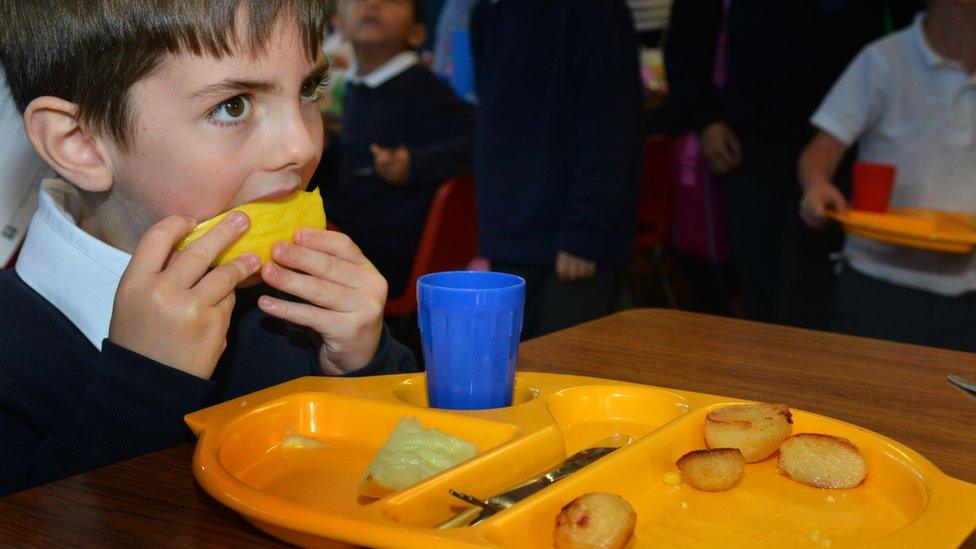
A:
(73, 270)
(907, 106)
(386, 72)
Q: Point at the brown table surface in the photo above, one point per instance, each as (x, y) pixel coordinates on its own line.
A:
(897, 390)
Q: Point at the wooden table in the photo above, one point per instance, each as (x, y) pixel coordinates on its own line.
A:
(897, 390)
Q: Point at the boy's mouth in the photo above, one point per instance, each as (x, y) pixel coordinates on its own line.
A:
(369, 20)
(279, 193)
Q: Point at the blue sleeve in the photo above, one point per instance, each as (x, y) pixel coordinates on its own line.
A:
(392, 357)
(608, 127)
(134, 405)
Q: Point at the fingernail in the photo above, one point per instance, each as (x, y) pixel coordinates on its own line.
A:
(239, 219)
(265, 302)
(299, 236)
(252, 260)
(279, 248)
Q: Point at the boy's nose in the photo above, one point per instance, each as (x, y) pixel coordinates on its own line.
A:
(296, 142)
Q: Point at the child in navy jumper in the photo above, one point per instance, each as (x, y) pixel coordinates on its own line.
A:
(404, 132)
(156, 115)
(558, 150)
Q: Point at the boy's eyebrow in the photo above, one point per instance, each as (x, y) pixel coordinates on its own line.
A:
(233, 86)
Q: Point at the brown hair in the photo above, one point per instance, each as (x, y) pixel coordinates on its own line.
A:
(91, 52)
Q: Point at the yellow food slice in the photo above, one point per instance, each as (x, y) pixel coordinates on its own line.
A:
(823, 461)
(713, 470)
(411, 454)
(271, 221)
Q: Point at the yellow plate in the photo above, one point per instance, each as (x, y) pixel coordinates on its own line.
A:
(308, 496)
(952, 232)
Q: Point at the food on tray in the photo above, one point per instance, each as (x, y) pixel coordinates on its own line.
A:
(271, 221)
(595, 520)
(755, 429)
(712, 470)
(294, 441)
(671, 478)
(411, 454)
(824, 461)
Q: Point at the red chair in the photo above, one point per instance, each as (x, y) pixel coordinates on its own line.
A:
(654, 212)
(654, 207)
(448, 242)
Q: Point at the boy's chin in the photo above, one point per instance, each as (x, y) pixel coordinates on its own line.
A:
(252, 280)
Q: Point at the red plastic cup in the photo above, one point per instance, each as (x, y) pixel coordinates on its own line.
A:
(871, 186)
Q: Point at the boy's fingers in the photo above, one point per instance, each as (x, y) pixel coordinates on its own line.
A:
(322, 293)
(380, 155)
(332, 243)
(155, 246)
(220, 282)
(734, 147)
(191, 263)
(318, 264)
(310, 316)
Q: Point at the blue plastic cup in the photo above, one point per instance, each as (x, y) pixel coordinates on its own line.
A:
(470, 325)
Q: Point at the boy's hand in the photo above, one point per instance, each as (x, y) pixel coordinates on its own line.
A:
(570, 268)
(817, 199)
(721, 148)
(345, 296)
(170, 306)
(393, 165)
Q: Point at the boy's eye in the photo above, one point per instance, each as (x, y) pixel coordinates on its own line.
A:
(312, 86)
(232, 110)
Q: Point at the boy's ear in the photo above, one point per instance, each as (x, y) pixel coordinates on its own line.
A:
(53, 127)
(417, 35)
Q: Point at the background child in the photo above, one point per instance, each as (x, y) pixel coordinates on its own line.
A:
(403, 133)
(907, 100)
(159, 115)
(558, 150)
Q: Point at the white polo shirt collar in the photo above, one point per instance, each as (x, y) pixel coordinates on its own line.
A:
(74, 271)
(386, 72)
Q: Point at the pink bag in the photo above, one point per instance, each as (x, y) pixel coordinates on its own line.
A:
(698, 227)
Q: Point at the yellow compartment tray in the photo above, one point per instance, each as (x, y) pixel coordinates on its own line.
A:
(309, 496)
(952, 232)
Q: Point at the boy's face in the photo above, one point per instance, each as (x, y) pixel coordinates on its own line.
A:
(380, 23)
(211, 134)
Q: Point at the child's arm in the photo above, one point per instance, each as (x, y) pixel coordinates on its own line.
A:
(169, 327)
(448, 131)
(607, 136)
(817, 167)
(129, 405)
(344, 297)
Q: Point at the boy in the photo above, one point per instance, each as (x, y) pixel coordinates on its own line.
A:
(403, 133)
(558, 150)
(907, 100)
(159, 115)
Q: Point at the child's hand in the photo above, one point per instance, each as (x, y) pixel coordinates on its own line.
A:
(817, 199)
(570, 268)
(345, 296)
(721, 148)
(393, 165)
(171, 307)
